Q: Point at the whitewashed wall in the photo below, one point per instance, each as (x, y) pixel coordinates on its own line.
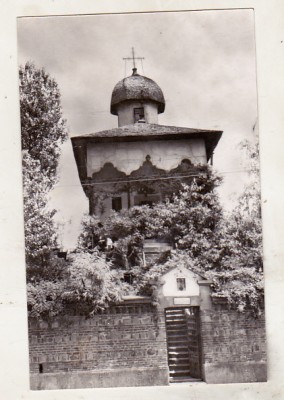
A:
(129, 156)
(170, 285)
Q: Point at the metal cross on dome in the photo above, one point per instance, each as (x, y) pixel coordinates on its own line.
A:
(133, 58)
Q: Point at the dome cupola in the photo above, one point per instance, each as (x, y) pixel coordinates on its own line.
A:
(137, 99)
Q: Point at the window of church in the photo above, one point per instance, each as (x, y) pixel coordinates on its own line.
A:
(138, 114)
(116, 203)
(181, 284)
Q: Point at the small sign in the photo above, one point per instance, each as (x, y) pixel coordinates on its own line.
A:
(181, 300)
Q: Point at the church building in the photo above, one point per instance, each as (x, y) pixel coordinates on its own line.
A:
(187, 335)
(139, 162)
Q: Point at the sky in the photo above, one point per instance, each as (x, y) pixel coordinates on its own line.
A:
(204, 62)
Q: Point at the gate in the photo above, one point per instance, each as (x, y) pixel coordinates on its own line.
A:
(183, 342)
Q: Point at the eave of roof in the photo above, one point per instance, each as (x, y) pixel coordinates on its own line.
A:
(142, 130)
(145, 132)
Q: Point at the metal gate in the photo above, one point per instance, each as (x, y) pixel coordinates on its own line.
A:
(183, 342)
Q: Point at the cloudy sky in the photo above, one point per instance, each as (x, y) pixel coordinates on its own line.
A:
(204, 61)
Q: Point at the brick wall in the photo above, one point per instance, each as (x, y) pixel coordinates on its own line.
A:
(129, 339)
(233, 346)
(126, 346)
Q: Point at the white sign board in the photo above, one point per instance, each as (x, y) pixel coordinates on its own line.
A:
(182, 300)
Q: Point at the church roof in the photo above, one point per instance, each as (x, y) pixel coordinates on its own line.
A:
(144, 131)
(137, 87)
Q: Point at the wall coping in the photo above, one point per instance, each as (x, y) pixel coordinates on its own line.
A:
(205, 282)
(136, 299)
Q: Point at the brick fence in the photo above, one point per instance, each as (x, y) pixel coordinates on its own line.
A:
(233, 346)
(124, 346)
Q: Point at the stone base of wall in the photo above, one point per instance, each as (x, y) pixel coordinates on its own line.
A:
(244, 372)
(100, 379)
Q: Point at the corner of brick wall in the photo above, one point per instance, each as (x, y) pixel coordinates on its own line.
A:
(233, 346)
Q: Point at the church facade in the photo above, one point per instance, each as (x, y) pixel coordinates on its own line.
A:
(140, 161)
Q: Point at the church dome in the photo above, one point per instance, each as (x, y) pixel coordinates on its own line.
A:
(137, 87)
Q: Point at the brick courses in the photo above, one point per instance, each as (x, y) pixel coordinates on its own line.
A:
(126, 346)
(233, 346)
(126, 337)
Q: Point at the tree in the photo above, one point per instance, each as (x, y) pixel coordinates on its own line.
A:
(42, 132)
(43, 128)
(86, 280)
(240, 275)
(40, 233)
(91, 284)
(88, 284)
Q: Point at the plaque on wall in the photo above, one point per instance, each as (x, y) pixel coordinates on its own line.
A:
(181, 300)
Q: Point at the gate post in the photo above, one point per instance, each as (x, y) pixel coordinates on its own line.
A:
(205, 318)
(205, 295)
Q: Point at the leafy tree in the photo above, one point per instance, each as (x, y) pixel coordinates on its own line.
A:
(45, 298)
(40, 233)
(87, 280)
(240, 276)
(88, 285)
(42, 132)
(91, 284)
(43, 128)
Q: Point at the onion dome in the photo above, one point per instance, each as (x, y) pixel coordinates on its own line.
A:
(137, 87)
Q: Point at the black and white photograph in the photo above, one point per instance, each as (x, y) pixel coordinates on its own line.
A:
(142, 201)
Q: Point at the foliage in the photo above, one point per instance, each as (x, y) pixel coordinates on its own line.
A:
(91, 284)
(42, 132)
(86, 283)
(86, 280)
(225, 248)
(240, 276)
(43, 128)
(45, 298)
(188, 220)
(90, 226)
(40, 234)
